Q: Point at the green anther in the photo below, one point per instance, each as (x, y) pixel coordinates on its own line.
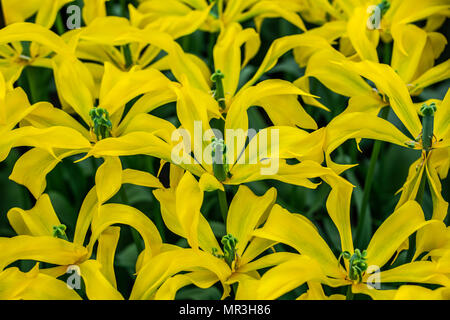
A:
(219, 159)
(216, 253)
(219, 93)
(60, 232)
(357, 263)
(102, 124)
(384, 6)
(229, 243)
(427, 125)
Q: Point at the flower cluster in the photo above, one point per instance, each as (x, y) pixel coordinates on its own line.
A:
(152, 102)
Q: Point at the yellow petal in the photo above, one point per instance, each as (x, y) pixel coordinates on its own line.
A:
(110, 214)
(45, 249)
(282, 226)
(119, 87)
(17, 285)
(107, 244)
(97, 285)
(283, 45)
(281, 279)
(390, 83)
(433, 75)
(88, 208)
(336, 76)
(209, 183)
(108, 178)
(33, 166)
(140, 178)
(227, 54)
(166, 264)
(33, 32)
(416, 272)
(147, 103)
(202, 279)
(409, 292)
(189, 199)
(359, 125)
(75, 85)
(247, 211)
(405, 61)
(360, 35)
(38, 221)
(397, 228)
(167, 199)
(93, 9)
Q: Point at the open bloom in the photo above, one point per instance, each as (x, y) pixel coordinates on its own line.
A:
(431, 136)
(97, 121)
(175, 14)
(361, 24)
(180, 208)
(361, 270)
(42, 237)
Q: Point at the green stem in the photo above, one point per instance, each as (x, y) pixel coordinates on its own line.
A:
(123, 6)
(128, 56)
(223, 204)
(59, 24)
(369, 180)
(349, 295)
(32, 85)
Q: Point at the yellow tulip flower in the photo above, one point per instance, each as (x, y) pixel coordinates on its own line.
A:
(176, 14)
(43, 238)
(361, 270)
(180, 209)
(361, 23)
(435, 145)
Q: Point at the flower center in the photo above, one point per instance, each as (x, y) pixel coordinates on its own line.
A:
(357, 264)
(219, 159)
(219, 93)
(102, 124)
(60, 232)
(229, 243)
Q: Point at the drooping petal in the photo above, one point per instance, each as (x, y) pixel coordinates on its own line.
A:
(108, 178)
(285, 227)
(44, 248)
(397, 228)
(107, 244)
(31, 168)
(112, 213)
(390, 83)
(161, 267)
(245, 214)
(17, 285)
(38, 221)
(97, 285)
(281, 279)
(189, 199)
(227, 54)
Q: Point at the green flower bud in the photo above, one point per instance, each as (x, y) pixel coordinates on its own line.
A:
(229, 243)
(219, 93)
(60, 232)
(102, 124)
